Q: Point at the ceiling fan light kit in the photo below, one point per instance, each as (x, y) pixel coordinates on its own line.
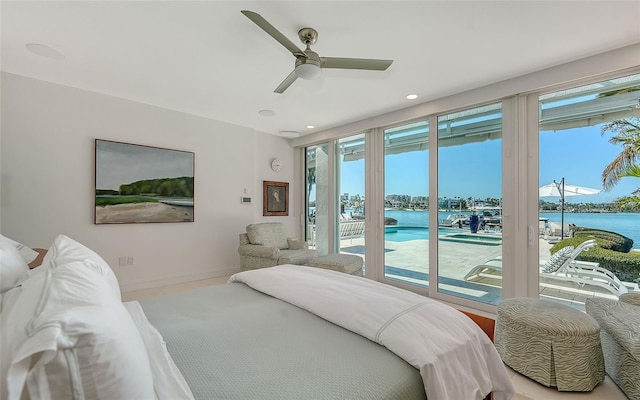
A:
(308, 70)
(308, 63)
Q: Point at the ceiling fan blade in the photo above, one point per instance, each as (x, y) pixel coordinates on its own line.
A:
(272, 31)
(355, 63)
(287, 82)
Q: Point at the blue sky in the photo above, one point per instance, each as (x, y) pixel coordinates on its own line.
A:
(579, 155)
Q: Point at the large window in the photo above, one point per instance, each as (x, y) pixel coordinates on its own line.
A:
(317, 197)
(406, 204)
(588, 133)
(462, 204)
(351, 195)
(335, 196)
(470, 203)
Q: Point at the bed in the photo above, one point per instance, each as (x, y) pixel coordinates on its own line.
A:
(286, 332)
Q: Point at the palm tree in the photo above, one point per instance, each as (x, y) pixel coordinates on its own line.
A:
(630, 202)
(311, 180)
(627, 134)
(634, 172)
(619, 91)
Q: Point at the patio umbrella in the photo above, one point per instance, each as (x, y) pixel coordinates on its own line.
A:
(562, 190)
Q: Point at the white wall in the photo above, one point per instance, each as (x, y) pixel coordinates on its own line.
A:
(47, 180)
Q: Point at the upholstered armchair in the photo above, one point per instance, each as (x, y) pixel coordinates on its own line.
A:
(266, 245)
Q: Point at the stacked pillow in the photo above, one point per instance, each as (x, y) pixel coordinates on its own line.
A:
(14, 258)
(27, 253)
(65, 333)
(65, 249)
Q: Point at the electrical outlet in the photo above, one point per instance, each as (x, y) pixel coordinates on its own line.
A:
(125, 260)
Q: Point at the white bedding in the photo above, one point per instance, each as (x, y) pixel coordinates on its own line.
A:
(454, 356)
(168, 382)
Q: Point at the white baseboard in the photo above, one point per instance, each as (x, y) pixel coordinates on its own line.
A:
(155, 283)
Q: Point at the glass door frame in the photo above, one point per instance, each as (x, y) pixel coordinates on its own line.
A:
(376, 181)
(516, 155)
(300, 196)
(519, 181)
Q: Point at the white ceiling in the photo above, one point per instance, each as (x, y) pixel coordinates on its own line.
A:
(206, 58)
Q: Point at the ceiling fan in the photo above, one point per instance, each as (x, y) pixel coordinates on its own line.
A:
(308, 64)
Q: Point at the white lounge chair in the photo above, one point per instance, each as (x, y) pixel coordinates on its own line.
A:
(564, 266)
(351, 229)
(555, 229)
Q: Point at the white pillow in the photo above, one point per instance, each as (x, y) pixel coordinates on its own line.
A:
(66, 336)
(27, 253)
(65, 250)
(13, 267)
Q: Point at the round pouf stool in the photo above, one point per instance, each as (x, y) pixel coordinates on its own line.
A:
(551, 343)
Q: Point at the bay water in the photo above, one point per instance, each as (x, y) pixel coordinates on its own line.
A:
(627, 224)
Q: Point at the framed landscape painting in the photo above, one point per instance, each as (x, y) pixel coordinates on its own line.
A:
(138, 184)
(275, 198)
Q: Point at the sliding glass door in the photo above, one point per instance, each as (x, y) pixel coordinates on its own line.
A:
(351, 195)
(589, 189)
(317, 197)
(335, 196)
(406, 204)
(470, 204)
(572, 153)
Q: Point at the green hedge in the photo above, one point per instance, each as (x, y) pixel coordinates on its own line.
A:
(110, 201)
(609, 240)
(626, 266)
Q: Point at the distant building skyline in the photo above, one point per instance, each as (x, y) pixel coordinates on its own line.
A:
(579, 155)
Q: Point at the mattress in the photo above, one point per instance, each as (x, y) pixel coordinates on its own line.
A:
(232, 342)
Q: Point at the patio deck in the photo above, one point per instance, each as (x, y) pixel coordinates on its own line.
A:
(405, 262)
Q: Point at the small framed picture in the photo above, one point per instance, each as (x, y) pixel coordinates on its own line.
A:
(275, 198)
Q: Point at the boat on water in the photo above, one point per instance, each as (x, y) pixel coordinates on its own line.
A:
(491, 215)
(455, 220)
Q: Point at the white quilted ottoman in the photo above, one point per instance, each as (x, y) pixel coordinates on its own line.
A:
(347, 263)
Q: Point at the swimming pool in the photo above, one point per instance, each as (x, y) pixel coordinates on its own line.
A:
(485, 240)
(406, 233)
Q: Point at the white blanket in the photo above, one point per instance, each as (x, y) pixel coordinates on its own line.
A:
(168, 382)
(455, 357)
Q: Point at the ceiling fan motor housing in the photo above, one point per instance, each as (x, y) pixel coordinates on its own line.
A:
(308, 67)
(308, 35)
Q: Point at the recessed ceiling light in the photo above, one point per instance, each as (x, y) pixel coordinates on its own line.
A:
(412, 96)
(267, 113)
(310, 126)
(45, 51)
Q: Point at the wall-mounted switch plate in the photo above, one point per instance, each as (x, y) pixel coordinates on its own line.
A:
(245, 200)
